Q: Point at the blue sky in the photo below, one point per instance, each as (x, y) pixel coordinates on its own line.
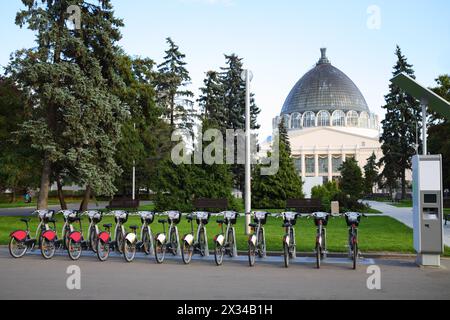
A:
(279, 40)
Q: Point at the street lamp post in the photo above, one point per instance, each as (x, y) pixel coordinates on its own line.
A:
(133, 196)
(247, 76)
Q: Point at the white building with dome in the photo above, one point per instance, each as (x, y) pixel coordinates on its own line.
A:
(328, 121)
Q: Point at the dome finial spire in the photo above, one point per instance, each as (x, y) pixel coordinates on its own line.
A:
(323, 58)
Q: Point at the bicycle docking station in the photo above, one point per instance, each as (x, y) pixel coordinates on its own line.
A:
(428, 209)
(206, 250)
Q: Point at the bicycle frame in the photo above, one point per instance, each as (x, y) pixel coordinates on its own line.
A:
(146, 229)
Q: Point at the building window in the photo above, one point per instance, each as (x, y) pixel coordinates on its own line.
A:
(338, 118)
(287, 121)
(323, 164)
(309, 119)
(298, 165)
(337, 162)
(310, 165)
(323, 119)
(364, 120)
(352, 119)
(296, 121)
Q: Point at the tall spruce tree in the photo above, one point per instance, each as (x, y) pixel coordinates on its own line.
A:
(439, 130)
(171, 85)
(69, 78)
(400, 127)
(273, 191)
(234, 106)
(352, 182)
(370, 174)
(211, 101)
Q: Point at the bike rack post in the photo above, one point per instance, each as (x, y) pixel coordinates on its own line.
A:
(178, 242)
(152, 243)
(206, 241)
(235, 252)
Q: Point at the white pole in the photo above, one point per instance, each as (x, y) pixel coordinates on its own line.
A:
(134, 176)
(248, 203)
(424, 125)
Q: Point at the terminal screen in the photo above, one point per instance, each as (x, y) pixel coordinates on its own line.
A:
(430, 198)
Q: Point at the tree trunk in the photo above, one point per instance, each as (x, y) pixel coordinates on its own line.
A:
(62, 201)
(13, 195)
(87, 196)
(42, 203)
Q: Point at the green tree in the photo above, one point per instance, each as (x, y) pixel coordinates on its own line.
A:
(171, 86)
(234, 107)
(326, 193)
(272, 191)
(370, 174)
(439, 130)
(351, 182)
(70, 78)
(211, 101)
(19, 163)
(399, 127)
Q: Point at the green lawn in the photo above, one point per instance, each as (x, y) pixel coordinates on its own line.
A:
(33, 204)
(377, 234)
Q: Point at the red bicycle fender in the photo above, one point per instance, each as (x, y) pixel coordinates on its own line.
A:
(19, 235)
(50, 235)
(76, 236)
(104, 236)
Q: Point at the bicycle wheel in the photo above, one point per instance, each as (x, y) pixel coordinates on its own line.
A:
(119, 241)
(160, 252)
(103, 249)
(219, 251)
(93, 239)
(251, 254)
(17, 249)
(173, 241)
(202, 242)
(318, 255)
(355, 254)
(231, 243)
(129, 250)
(286, 254)
(261, 243)
(186, 252)
(146, 242)
(74, 250)
(48, 248)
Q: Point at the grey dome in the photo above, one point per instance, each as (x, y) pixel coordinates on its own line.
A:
(324, 88)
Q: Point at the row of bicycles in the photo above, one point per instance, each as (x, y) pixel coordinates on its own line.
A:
(127, 242)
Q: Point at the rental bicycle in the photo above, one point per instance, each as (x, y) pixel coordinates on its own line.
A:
(321, 222)
(95, 217)
(146, 243)
(161, 243)
(195, 244)
(45, 237)
(289, 242)
(257, 240)
(72, 240)
(353, 220)
(224, 243)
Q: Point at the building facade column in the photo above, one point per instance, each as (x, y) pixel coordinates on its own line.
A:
(303, 166)
(330, 166)
(316, 164)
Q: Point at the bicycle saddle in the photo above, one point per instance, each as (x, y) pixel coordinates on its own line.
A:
(108, 225)
(26, 220)
(134, 228)
(220, 221)
(253, 225)
(162, 221)
(287, 225)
